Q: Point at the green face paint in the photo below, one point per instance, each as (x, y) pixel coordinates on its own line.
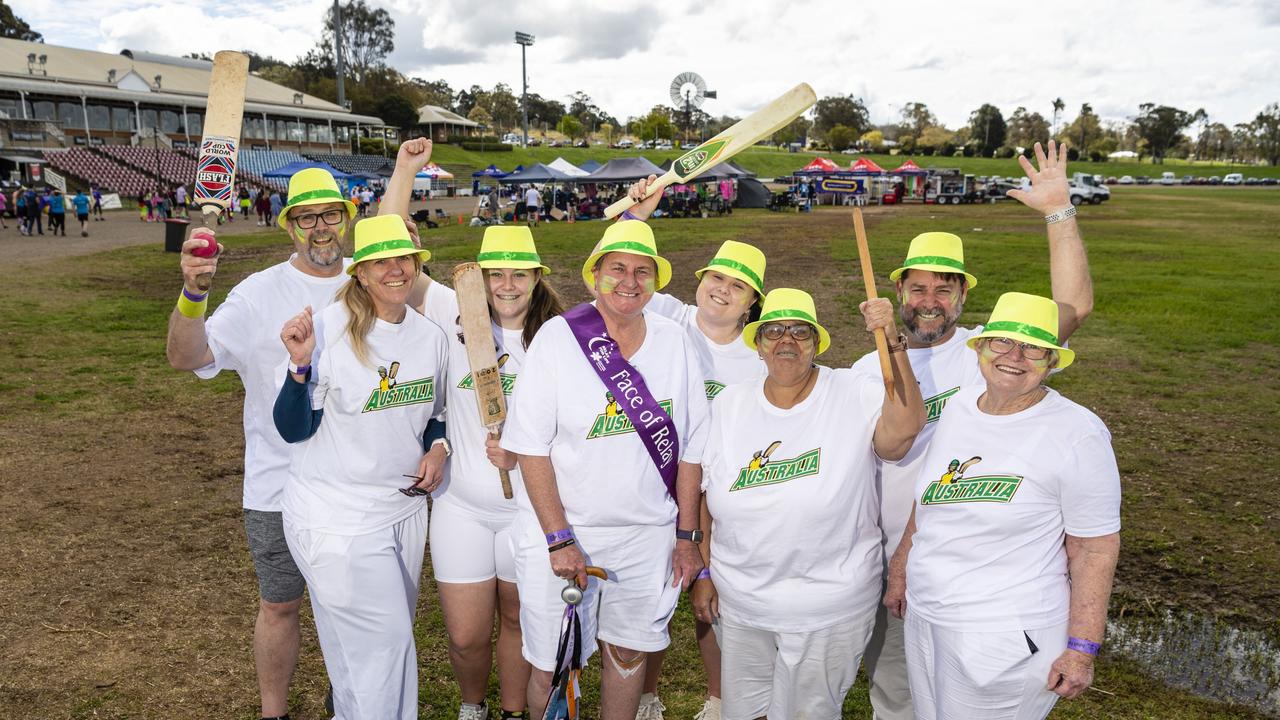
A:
(607, 284)
(650, 285)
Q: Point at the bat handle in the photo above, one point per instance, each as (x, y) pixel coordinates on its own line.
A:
(503, 476)
(869, 283)
(208, 215)
(886, 366)
(625, 203)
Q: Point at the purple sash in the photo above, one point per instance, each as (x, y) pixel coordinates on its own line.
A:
(654, 426)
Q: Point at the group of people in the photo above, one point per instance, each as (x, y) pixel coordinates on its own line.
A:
(32, 208)
(163, 203)
(953, 523)
(263, 202)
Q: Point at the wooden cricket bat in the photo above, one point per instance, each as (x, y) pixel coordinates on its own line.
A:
(869, 282)
(747, 132)
(216, 167)
(486, 380)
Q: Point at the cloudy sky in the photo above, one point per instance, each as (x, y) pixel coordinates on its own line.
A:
(953, 56)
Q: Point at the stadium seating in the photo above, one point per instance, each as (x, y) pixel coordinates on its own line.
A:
(256, 163)
(93, 167)
(367, 164)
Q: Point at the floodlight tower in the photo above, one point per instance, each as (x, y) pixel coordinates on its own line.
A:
(524, 40)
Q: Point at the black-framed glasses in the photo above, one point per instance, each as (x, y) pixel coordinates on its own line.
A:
(309, 220)
(1004, 346)
(413, 490)
(798, 332)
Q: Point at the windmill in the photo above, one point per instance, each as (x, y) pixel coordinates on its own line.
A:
(688, 92)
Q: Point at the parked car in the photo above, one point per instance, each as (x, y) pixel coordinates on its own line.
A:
(1112, 180)
(1233, 179)
(1167, 178)
(850, 151)
(1142, 180)
(1188, 180)
(581, 143)
(1202, 180)
(1215, 180)
(1126, 180)
(554, 143)
(1252, 181)
(1269, 181)
(534, 142)
(663, 146)
(625, 144)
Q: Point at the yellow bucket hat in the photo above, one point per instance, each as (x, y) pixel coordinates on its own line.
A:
(938, 252)
(633, 237)
(509, 246)
(739, 260)
(1029, 319)
(384, 236)
(787, 304)
(312, 186)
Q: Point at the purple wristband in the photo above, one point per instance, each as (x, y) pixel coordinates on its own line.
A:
(703, 574)
(628, 215)
(559, 536)
(1088, 647)
(193, 298)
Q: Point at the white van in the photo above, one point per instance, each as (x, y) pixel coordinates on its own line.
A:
(1233, 179)
(1167, 178)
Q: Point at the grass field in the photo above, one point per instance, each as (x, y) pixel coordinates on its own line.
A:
(126, 591)
(771, 162)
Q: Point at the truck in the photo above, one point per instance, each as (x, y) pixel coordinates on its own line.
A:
(1085, 188)
(951, 186)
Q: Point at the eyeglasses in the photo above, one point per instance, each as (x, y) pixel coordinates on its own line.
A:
(308, 221)
(1004, 346)
(799, 332)
(414, 490)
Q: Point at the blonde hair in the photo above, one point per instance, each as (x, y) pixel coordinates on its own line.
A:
(361, 311)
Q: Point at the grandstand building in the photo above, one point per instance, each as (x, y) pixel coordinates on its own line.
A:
(58, 100)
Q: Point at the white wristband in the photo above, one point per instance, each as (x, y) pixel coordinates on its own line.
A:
(1060, 215)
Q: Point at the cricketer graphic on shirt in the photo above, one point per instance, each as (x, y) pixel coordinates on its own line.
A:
(761, 470)
(391, 393)
(508, 379)
(953, 487)
(933, 406)
(613, 422)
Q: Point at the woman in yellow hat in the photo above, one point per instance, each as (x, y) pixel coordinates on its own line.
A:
(730, 289)
(361, 398)
(1005, 568)
(789, 480)
(470, 519)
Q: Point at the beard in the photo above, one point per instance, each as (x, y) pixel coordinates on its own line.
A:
(910, 318)
(327, 255)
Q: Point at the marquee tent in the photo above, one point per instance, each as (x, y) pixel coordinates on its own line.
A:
(590, 166)
(538, 173)
(909, 168)
(491, 172)
(567, 168)
(289, 170)
(864, 166)
(623, 170)
(819, 166)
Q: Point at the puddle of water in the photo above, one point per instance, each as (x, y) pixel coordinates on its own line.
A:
(1203, 656)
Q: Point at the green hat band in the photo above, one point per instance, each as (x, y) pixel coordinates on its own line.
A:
(786, 314)
(624, 245)
(934, 260)
(313, 194)
(740, 267)
(1025, 329)
(507, 255)
(383, 246)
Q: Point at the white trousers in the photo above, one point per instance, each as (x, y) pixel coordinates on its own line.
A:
(789, 675)
(364, 590)
(886, 663)
(958, 675)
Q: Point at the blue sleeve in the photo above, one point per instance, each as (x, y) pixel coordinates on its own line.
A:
(434, 431)
(294, 418)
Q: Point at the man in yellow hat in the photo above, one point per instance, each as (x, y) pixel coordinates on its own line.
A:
(933, 284)
(243, 336)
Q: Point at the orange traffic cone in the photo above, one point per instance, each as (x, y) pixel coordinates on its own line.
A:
(459, 218)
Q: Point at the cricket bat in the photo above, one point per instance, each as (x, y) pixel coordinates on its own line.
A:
(747, 132)
(869, 283)
(486, 380)
(216, 167)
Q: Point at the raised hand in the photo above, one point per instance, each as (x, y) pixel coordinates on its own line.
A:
(194, 266)
(1049, 191)
(299, 337)
(413, 155)
(878, 314)
(643, 208)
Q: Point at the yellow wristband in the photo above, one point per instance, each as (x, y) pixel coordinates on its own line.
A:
(191, 308)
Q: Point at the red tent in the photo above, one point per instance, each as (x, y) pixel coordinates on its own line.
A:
(819, 166)
(909, 168)
(866, 167)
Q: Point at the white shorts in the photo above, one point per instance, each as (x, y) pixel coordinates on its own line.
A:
(467, 547)
(995, 675)
(630, 612)
(364, 591)
(789, 675)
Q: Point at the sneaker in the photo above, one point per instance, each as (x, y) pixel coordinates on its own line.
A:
(328, 702)
(469, 711)
(710, 710)
(650, 707)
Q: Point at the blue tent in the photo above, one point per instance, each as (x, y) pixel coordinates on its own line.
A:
(490, 172)
(289, 170)
(590, 166)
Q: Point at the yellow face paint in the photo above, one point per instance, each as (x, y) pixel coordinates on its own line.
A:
(607, 284)
(649, 285)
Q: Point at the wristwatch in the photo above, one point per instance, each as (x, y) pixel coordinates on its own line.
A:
(693, 536)
(448, 449)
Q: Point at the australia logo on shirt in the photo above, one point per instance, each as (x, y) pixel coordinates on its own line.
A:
(613, 422)
(391, 393)
(508, 379)
(762, 470)
(953, 487)
(713, 388)
(933, 406)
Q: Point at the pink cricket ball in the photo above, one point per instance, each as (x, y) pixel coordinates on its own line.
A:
(211, 244)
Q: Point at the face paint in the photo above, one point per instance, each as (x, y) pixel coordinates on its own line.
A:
(607, 284)
(649, 285)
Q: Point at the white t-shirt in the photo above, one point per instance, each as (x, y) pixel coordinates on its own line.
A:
(722, 365)
(346, 477)
(532, 199)
(988, 552)
(940, 371)
(470, 479)
(244, 335)
(603, 472)
(794, 545)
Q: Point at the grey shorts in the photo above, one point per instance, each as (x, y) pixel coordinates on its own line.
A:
(279, 579)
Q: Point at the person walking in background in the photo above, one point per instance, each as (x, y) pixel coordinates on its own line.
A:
(97, 202)
(33, 212)
(57, 213)
(263, 207)
(243, 198)
(533, 205)
(81, 204)
(276, 204)
(3, 206)
(180, 201)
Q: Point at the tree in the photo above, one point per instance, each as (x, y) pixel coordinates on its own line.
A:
(479, 115)
(397, 110)
(542, 110)
(796, 132)
(841, 137)
(936, 139)
(872, 140)
(12, 26)
(504, 106)
(569, 126)
(842, 110)
(1025, 129)
(1216, 142)
(1161, 127)
(368, 36)
(1266, 132)
(916, 117)
(657, 124)
(1058, 107)
(987, 128)
(435, 92)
